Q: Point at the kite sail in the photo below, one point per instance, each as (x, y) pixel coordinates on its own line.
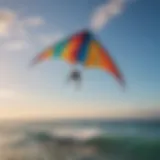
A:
(82, 48)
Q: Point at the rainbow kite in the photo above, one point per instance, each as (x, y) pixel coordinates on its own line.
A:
(82, 48)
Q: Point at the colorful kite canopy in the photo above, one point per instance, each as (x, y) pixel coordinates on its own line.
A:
(82, 48)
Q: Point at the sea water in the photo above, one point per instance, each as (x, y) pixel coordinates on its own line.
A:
(114, 139)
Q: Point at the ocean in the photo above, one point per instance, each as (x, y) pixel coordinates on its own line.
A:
(111, 139)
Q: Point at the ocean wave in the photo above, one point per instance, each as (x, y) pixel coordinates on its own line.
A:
(49, 142)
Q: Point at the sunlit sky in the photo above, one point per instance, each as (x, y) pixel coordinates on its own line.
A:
(129, 29)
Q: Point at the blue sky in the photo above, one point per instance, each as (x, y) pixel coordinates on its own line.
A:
(130, 32)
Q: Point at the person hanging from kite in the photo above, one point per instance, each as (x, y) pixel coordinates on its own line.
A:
(82, 49)
(75, 76)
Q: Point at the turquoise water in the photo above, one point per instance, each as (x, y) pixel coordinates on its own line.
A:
(113, 140)
(123, 148)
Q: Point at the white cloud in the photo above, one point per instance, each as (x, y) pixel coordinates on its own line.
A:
(103, 14)
(15, 31)
(7, 94)
(16, 45)
(34, 22)
(7, 18)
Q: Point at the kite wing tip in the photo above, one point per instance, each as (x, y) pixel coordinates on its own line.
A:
(33, 63)
(122, 83)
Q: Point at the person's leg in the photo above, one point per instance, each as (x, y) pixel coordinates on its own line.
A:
(78, 83)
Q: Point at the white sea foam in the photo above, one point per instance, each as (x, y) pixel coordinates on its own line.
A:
(82, 133)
